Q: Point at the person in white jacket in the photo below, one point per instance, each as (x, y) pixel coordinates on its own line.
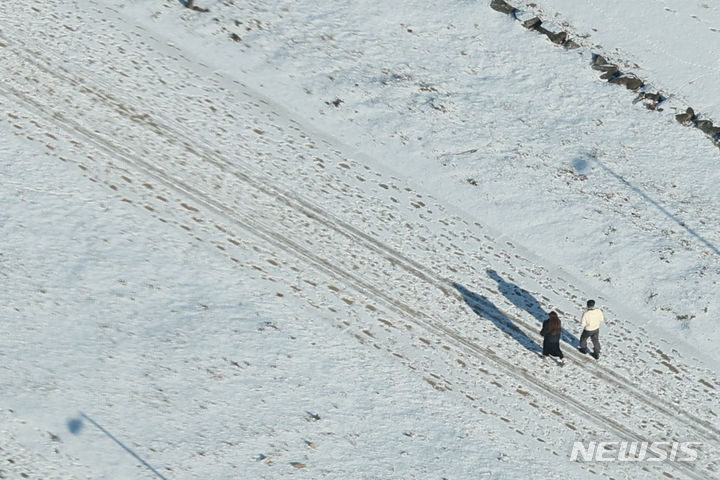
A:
(591, 320)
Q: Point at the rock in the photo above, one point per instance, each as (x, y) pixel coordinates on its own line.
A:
(542, 30)
(686, 117)
(191, 5)
(654, 97)
(314, 417)
(533, 23)
(558, 38)
(633, 83)
(707, 127)
(536, 24)
(502, 7)
(650, 100)
(613, 74)
(630, 81)
(599, 63)
(610, 73)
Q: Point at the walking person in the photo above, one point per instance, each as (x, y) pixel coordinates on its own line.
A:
(591, 320)
(551, 331)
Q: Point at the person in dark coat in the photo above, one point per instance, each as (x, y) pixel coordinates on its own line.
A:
(551, 331)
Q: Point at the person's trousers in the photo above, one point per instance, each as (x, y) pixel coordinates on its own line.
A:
(593, 335)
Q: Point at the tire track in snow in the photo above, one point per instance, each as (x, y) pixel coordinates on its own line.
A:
(317, 214)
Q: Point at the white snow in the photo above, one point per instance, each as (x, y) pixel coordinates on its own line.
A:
(317, 239)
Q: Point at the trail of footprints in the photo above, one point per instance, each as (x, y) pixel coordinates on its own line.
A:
(440, 385)
(127, 189)
(347, 190)
(403, 202)
(435, 380)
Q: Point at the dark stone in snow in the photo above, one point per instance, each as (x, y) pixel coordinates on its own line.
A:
(534, 22)
(599, 63)
(655, 97)
(502, 7)
(631, 82)
(651, 100)
(558, 38)
(707, 127)
(191, 5)
(610, 73)
(686, 117)
(543, 30)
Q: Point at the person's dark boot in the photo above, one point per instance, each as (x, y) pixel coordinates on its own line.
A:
(583, 350)
(596, 355)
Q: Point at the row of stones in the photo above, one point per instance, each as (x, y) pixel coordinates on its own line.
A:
(613, 74)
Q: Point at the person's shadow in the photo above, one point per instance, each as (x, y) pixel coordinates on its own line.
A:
(486, 309)
(523, 299)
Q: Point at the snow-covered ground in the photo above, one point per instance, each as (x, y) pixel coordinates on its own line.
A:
(317, 239)
(520, 134)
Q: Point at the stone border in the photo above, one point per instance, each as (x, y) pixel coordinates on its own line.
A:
(613, 74)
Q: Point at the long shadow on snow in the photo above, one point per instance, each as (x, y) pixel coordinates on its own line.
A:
(580, 163)
(75, 426)
(486, 309)
(523, 299)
